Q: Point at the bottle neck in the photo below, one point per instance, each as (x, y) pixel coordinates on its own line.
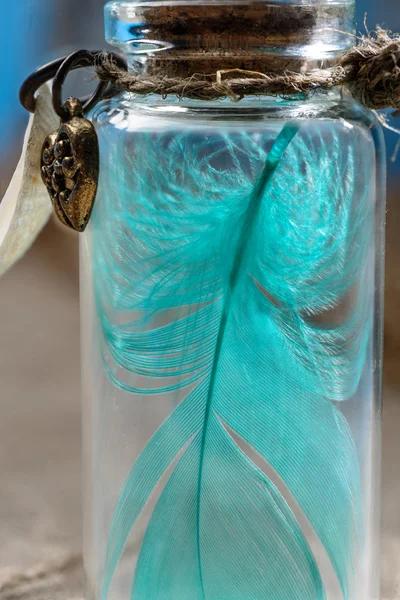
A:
(180, 39)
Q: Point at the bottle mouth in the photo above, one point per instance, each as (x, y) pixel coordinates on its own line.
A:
(190, 36)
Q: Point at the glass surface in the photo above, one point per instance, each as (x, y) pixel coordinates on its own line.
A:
(181, 279)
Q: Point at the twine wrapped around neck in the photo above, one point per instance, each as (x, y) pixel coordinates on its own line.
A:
(370, 71)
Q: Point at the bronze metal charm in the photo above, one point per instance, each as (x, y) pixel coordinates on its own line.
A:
(70, 156)
(70, 167)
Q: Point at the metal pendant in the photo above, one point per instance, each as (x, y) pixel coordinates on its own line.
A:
(70, 167)
(70, 155)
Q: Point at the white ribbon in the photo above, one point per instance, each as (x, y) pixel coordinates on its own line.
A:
(26, 206)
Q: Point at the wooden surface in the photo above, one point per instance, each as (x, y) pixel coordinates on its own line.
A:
(40, 463)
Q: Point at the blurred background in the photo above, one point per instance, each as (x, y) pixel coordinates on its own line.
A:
(40, 501)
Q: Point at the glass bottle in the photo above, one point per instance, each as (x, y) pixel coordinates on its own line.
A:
(232, 278)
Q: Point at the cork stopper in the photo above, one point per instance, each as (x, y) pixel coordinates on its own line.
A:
(181, 39)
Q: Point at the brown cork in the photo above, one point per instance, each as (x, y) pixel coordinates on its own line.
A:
(204, 38)
(256, 20)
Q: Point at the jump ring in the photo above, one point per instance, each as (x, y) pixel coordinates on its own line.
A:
(59, 70)
(82, 58)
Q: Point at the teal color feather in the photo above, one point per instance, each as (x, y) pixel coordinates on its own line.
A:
(231, 290)
(257, 552)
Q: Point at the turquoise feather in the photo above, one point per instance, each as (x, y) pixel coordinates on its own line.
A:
(229, 290)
